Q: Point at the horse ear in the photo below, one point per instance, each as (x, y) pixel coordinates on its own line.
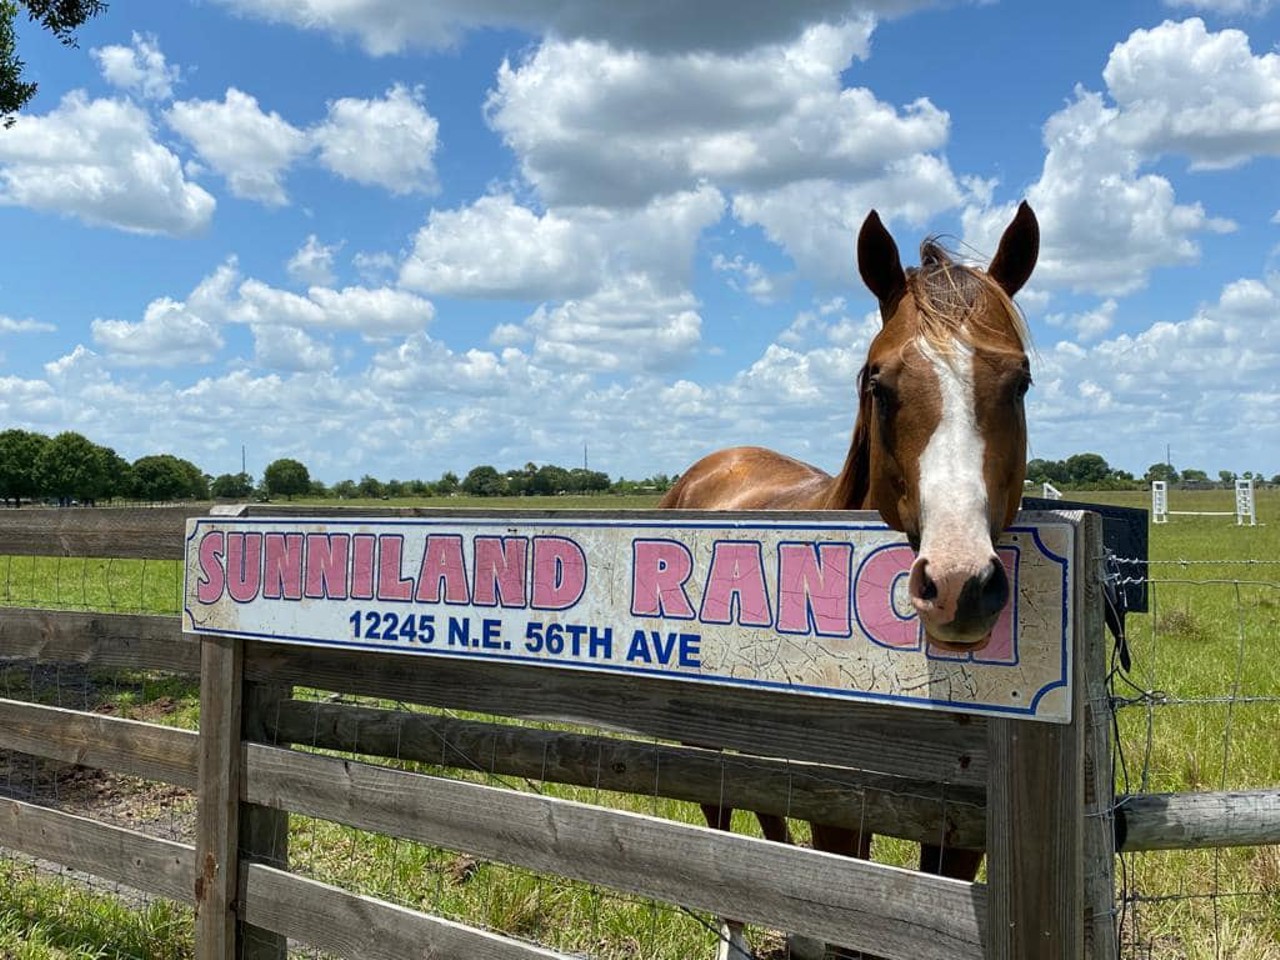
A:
(1019, 247)
(878, 260)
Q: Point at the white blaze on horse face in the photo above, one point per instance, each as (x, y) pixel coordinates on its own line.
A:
(955, 526)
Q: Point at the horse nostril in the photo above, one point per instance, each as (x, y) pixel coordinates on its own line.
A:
(928, 589)
(995, 589)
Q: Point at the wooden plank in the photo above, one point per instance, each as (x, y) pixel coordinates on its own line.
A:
(218, 802)
(363, 928)
(1035, 811)
(125, 641)
(896, 806)
(1098, 842)
(131, 747)
(896, 913)
(1195, 821)
(264, 831)
(146, 533)
(149, 864)
(922, 744)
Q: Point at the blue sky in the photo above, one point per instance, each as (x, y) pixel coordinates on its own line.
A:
(394, 238)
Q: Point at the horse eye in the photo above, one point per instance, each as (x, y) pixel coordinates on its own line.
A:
(1024, 384)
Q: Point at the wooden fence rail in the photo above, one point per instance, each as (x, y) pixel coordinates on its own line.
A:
(919, 775)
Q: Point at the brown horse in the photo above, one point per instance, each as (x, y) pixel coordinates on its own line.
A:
(939, 449)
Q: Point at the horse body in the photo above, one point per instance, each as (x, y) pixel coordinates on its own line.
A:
(938, 448)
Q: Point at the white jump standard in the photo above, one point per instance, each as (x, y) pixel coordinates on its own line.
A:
(1245, 512)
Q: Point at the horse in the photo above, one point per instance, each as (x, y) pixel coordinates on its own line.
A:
(938, 448)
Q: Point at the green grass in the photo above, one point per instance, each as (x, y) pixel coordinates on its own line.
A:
(1210, 643)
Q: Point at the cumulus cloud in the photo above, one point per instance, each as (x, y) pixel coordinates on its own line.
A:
(98, 160)
(285, 348)
(1183, 89)
(665, 26)
(389, 142)
(139, 69)
(1089, 324)
(497, 248)
(168, 334)
(251, 148)
(312, 264)
(10, 325)
(592, 124)
(745, 276)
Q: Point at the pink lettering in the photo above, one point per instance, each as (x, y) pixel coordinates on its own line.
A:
(659, 571)
(500, 569)
(326, 569)
(212, 577)
(363, 546)
(813, 588)
(391, 584)
(442, 561)
(282, 566)
(736, 579)
(244, 565)
(559, 573)
(873, 599)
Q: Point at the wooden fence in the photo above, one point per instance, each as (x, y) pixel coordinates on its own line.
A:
(1037, 796)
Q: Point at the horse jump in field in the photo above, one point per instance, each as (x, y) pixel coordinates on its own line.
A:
(939, 449)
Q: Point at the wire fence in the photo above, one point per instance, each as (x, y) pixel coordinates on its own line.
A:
(1198, 711)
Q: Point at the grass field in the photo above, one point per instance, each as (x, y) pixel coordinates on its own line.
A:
(1202, 706)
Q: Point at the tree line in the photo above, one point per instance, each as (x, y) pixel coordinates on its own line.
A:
(69, 468)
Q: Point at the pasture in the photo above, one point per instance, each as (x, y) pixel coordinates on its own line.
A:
(1201, 707)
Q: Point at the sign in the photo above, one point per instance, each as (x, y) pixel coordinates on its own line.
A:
(809, 606)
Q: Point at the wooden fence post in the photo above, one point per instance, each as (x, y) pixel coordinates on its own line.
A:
(264, 831)
(1035, 813)
(218, 797)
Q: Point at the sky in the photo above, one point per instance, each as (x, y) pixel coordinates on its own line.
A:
(394, 238)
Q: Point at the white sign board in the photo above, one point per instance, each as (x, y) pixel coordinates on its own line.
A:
(812, 607)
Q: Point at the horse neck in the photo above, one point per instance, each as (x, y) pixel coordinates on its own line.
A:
(851, 488)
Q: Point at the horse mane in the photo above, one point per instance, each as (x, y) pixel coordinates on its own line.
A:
(949, 295)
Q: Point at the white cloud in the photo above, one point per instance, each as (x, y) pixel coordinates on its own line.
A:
(1088, 325)
(248, 146)
(1105, 225)
(1182, 89)
(497, 248)
(139, 68)
(277, 347)
(391, 26)
(592, 124)
(98, 160)
(1227, 8)
(10, 325)
(389, 142)
(312, 264)
(746, 276)
(169, 334)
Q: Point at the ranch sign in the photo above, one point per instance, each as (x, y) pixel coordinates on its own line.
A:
(816, 607)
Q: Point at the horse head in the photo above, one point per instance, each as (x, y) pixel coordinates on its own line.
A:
(941, 428)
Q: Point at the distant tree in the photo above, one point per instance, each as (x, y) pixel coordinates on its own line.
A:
(582, 480)
(484, 481)
(318, 489)
(370, 487)
(1195, 476)
(19, 452)
(1160, 471)
(232, 486)
(60, 17)
(286, 477)
(1226, 477)
(345, 489)
(418, 488)
(394, 489)
(1249, 475)
(1084, 469)
(448, 484)
(71, 467)
(165, 477)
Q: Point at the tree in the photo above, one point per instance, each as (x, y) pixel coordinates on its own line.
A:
(19, 452)
(448, 484)
(286, 477)
(71, 467)
(166, 477)
(484, 481)
(370, 487)
(1195, 476)
(232, 486)
(345, 489)
(60, 17)
(1087, 468)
